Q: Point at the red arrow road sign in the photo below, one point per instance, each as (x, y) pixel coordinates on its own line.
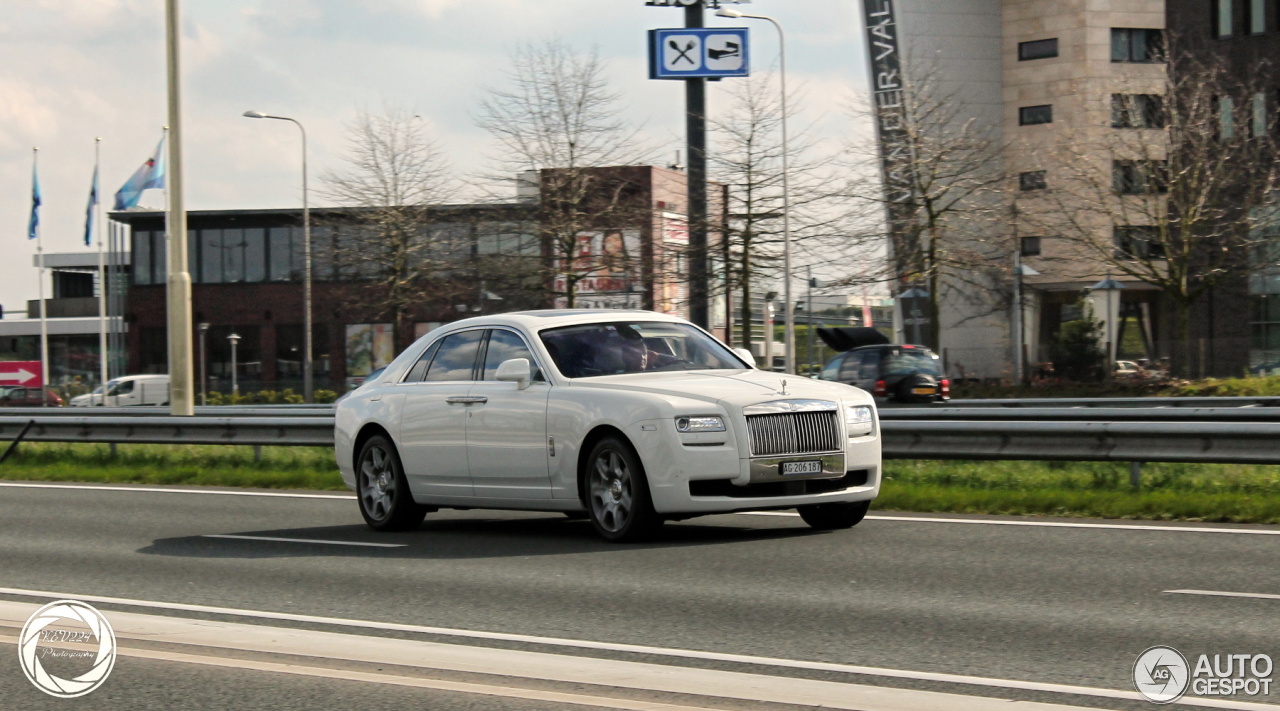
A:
(21, 372)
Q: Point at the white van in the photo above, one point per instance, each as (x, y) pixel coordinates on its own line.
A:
(127, 391)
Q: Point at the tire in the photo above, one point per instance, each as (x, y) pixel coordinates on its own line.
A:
(382, 490)
(834, 516)
(618, 500)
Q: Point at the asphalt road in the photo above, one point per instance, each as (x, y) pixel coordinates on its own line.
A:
(1059, 605)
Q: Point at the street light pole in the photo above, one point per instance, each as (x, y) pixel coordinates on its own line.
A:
(235, 384)
(790, 345)
(307, 376)
(204, 374)
(182, 399)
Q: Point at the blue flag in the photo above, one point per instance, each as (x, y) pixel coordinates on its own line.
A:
(34, 222)
(88, 213)
(150, 175)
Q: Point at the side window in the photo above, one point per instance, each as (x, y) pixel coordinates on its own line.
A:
(503, 346)
(831, 371)
(419, 369)
(124, 388)
(849, 370)
(870, 366)
(456, 357)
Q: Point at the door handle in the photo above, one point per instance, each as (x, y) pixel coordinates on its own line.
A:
(466, 399)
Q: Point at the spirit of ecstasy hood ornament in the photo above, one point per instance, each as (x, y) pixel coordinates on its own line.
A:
(783, 391)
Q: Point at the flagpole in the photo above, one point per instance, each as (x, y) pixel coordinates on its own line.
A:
(44, 325)
(102, 273)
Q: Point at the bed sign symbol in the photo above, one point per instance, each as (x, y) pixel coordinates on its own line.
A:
(703, 52)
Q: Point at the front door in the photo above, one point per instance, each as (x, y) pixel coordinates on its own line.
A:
(433, 440)
(507, 427)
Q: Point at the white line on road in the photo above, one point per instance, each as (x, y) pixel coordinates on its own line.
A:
(305, 540)
(167, 490)
(1048, 524)
(1219, 593)
(908, 519)
(640, 649)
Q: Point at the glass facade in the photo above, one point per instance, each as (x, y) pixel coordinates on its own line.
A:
(1264, 292)
(228, 256)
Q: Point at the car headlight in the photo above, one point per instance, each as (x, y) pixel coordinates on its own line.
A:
(859, 420)
(699, 424)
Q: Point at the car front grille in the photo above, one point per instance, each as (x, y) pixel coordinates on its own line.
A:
(793, 433)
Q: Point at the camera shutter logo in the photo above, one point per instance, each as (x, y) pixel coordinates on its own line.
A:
(1161, 675)
(29, 648)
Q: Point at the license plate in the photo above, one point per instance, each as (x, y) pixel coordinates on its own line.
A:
(922, 391)
(801, 468)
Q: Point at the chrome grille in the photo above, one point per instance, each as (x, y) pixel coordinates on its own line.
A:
(793, 433)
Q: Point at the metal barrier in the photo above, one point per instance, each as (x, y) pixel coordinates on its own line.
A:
(152, 411)
(259, 431)
(1207, 442)
(1261, 401)
(1082, 414)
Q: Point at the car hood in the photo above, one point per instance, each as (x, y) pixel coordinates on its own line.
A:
(731, 387)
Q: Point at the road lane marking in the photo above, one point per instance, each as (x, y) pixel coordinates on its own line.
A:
(1045, 524)
(305, 540)
(535, 665)
(908, 519)
(393, 680)
(1219, 593)
(157, 490)
(673, 653)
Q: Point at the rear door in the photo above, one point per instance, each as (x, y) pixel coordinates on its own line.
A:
(433, 443)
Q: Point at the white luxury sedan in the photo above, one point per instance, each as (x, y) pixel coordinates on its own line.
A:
(628, 418)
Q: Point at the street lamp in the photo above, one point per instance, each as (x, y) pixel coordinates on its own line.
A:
(307, 385)
(1110, 286)
(786, 186)
(204, 375)
(235, 340)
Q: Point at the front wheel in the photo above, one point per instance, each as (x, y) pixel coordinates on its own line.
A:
(834, 516)
(383, 491)
(618, 493)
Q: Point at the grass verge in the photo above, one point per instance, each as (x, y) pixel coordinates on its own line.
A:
(1170, 492)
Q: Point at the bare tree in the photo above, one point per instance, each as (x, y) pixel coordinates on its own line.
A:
(942, 194)
(557, 124)
(394, 175)
(748, 161)
(1182, 200)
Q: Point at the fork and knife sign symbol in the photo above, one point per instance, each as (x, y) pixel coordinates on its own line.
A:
(683, 53)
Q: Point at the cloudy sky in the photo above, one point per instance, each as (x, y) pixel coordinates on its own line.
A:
(80, 69)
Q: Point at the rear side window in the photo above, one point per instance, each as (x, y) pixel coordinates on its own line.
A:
(420, 368)
(456, 358)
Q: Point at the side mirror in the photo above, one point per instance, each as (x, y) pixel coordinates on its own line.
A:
(746, 355)
(516, 370)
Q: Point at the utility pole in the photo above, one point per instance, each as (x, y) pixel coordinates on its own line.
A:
(695, 92)
(182, 394)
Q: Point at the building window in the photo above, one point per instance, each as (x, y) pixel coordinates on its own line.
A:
(1258, 115)
(1138, 242)
(141, 262)
(1224, 18)
(1226, 118)
(1139, 177)
(1032, 180)
(1033, 115)
(1257, 21)
(1137, 111)
(1137, 45)
(1038, 49)
(1031, 246)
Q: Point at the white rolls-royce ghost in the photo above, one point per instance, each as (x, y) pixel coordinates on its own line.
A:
(629, 418)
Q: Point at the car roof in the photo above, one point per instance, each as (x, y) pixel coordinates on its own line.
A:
(551, 318)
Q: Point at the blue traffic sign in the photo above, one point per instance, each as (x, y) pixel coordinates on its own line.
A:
(702, 52)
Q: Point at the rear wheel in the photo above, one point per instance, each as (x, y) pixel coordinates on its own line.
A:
(618, 494)
(383, 491)
(834, 516)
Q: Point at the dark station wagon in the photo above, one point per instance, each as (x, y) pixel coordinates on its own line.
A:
(892, 373)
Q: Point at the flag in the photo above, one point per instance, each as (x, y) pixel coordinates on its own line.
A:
(88, 212)
(34, 222)
(149, 175)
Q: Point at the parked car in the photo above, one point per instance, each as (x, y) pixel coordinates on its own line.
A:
(893, 373)
(127, 391)
(627, 417)
(30, 397)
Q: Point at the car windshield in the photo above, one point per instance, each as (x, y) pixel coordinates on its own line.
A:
(618, 348)
(903, 361)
